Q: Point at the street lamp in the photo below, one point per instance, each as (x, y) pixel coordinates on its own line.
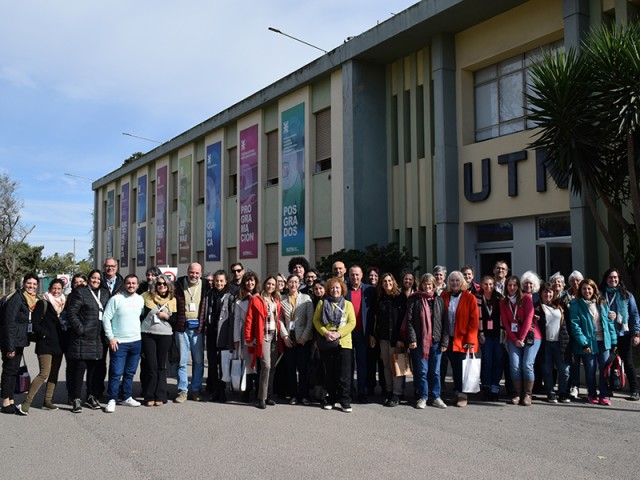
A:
(141, 138)
(275, 30)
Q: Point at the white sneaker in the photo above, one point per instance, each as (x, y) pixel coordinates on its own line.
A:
(111, 406)
(573, 393)
(438, 403)
(421, 403)
(131, 402)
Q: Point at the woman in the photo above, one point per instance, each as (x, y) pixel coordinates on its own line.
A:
(594, 335)
(334, 320)
(297, 320)
(463, 322)
(530, 283)
(440, 274)
(554, 329)
(318, 292)
(373, 276)
(248, 288)
(384, 330)
(261, 334)
(523, 339)
(281, 284)
(219, 334)
(47, 327)
(157, 335)
(409, 284)
(151, 275)
(490, 338)
(77, 281)
(86, 338)
(427, 337)
(575, 278)
(16, 322)
(623, 312)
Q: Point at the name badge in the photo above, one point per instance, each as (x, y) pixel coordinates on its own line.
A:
(489, 324)
(30, 328)
(192, 307)
(292, 325)
(100, 315)
(514, 328)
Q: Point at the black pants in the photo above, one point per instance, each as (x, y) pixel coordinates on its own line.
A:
(155, 352)
(625, 350)
(337, 366)
(99, 375)
(214, 373)
(297, 360)
(10, 368)
(91, 367)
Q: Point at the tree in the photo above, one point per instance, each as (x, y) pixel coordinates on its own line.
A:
(56, 264)
(388, 258)
(587, 106)
(13, 233)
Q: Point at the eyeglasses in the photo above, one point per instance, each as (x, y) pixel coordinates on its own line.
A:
(110, 266)
(161, 284)
(236, 270)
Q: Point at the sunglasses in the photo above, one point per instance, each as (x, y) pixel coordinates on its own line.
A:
(236, 271)
(159, 284)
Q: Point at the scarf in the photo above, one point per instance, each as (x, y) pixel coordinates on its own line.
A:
(56, 302)
(332, 310)
(153, 300)
(425, 320)
(618, 304)
(31, 300)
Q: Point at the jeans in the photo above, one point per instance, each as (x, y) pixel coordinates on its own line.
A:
(492, 363)
(191, 341)
(297, 360)
(553, 356)
(360, 347)
(155, 350)
(426, 371)
(522, 360)
(590, 360)
(123, 363)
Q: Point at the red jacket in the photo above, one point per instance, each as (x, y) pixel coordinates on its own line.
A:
(254, 325)
(467, 321)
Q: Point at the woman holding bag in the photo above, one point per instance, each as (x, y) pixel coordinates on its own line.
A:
(14, 336)
(248, 288)
(427, 338)
(157, 334)
(47, 327)
(523, 339)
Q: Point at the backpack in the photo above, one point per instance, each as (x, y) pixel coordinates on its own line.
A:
(614, 373)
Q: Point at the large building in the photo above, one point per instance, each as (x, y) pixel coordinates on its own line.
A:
(413, 132)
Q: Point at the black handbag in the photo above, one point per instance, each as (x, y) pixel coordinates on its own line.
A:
(23, 379)
(325, 345)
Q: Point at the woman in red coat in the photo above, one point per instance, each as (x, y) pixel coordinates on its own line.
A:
(261, 335)
(462, 322)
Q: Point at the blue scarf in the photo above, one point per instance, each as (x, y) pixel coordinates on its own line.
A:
(620, 305)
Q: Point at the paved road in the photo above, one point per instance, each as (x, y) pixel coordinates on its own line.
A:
(205, 440)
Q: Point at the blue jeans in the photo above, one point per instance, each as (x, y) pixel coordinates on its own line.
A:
(123, 363)
(589, 360)
(426, 372)
(553, 356)
(360, 359)
(492, 363)
(191, 340)
(522, 360)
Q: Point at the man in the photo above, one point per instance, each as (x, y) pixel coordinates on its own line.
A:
(299, 266)
(500, 271)
(237, 272)
(121, 323)
(111, 279)
(467, 273)
(338, 269)
(310, 276)
(189, 328)
(362, 296)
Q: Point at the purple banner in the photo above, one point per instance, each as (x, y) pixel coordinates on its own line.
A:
(124, 226)
(213, 201)
(161, 216)
(249, 192)
(141, 247)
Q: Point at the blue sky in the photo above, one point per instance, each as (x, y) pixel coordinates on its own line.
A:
(75, 75)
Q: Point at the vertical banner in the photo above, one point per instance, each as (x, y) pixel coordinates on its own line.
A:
(124, 226)
(249, 192)
(111, 221)
(161, 216)
(293, 214)
(184, 209)
(213, 201)
(142, 199)
(141, 246)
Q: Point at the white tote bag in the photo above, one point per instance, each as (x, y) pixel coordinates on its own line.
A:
(238, 374)
(471, 373)
(225, 364)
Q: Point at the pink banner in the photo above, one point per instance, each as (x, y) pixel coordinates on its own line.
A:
(161, 216)
(249, 193)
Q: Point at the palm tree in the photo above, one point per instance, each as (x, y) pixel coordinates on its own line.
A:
(587, 107)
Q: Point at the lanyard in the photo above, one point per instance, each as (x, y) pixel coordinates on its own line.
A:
(487, 306)
(97, 299)
(613, 299)
(514, 310)
(194, 292)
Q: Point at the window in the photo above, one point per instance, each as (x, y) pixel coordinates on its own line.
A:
(495, 232)
(174, 192)
(153, 200)
(134, 205)
(201, 178)
(272, 158)
(232, 168)
(323, 140)
(500, 94)
(552, 227)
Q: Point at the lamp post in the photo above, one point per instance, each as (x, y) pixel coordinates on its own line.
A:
(141, 138)
(275, 30)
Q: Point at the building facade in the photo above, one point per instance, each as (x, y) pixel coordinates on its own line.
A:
(413, 132)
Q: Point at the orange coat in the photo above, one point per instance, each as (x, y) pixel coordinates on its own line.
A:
(467, 321)
(254, 326)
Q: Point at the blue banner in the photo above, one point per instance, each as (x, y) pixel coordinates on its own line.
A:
(293, 191)
(213, 201)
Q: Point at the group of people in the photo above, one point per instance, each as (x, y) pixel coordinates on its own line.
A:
(318, 334)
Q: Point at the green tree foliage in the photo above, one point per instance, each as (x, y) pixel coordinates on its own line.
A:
(388, 258)
(587, 106)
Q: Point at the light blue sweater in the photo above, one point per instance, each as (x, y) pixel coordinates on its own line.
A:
(121, 319)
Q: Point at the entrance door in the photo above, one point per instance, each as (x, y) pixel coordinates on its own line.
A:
(488, 258)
